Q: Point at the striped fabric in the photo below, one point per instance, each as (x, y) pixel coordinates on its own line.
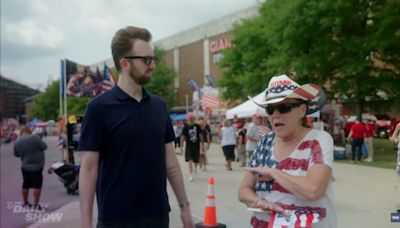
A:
(294, 219)
(315, 148)
(209, 102)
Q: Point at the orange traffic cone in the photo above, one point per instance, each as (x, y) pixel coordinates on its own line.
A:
(210, 214)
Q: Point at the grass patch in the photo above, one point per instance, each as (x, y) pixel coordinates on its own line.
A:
(385, 155)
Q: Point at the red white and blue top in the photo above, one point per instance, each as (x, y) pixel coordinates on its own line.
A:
(315, 148)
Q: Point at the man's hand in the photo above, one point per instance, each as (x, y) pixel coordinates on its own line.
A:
(187, 220)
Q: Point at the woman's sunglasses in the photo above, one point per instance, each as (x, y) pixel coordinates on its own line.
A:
(282, 108)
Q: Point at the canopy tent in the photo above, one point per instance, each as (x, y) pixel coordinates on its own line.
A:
(248, 108)
(36, 123)
(178, 117)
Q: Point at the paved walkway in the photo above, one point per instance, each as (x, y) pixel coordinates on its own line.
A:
(365, 196)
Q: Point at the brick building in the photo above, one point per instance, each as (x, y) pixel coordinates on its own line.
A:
(196, 52)
(12, 99)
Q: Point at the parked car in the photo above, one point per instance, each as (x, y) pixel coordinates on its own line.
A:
(382, 126)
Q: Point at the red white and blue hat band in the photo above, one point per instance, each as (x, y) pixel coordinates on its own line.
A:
(282, 87)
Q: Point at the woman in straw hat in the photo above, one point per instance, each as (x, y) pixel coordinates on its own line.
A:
(289, 176)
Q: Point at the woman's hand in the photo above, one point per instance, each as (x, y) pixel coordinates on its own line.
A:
(266, 173)
(269, 206)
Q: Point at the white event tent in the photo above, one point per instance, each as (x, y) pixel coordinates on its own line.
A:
(248, 108)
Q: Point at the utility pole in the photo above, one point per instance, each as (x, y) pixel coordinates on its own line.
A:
(187, 103)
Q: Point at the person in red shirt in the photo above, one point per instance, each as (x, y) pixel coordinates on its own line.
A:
(357, 134)
(369, 140)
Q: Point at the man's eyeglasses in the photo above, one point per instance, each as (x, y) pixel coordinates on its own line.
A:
(282, 108)
(146, 59)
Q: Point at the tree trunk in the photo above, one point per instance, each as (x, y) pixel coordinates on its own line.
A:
(360, 107)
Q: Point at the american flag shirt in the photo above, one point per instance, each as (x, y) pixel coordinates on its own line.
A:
(315, 148)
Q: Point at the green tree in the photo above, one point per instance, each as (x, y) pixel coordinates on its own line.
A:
(162, 80)
(46, 105)
(77, 105)
(351, 47)
(244, 72)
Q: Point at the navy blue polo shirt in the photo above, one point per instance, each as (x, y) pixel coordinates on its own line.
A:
(130, 137)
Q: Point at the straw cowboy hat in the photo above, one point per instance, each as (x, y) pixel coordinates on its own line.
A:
(282, 87)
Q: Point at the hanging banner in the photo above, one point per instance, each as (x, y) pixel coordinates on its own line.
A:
(83, 81)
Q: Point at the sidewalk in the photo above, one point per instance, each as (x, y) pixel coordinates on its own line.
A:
(365, 196)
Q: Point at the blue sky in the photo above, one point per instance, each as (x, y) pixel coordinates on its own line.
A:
(36, 34)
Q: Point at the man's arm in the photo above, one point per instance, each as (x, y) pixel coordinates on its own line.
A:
(42, 145)
(175, 178)
(350, 135)
(87, 185)
(16, 152)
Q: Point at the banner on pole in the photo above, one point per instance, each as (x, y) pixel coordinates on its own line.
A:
(85, 81)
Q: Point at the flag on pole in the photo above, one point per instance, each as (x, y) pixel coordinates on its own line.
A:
(87, 81)
(62, 78)
(210, 80)
(193, 85)
(107, 74)
(209, 102)
(61, 87)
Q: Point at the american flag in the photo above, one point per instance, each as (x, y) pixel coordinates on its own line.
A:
(209, 102)
(107, 74)
(193, 85)
(293, 219)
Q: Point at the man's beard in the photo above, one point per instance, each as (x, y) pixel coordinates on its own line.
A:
(139, 79)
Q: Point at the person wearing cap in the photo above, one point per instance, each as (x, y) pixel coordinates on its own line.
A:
(290, 171)
(252, 134)
(127, 145)
(191, 135)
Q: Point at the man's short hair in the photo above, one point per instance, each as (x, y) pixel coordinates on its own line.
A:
(124, 39)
